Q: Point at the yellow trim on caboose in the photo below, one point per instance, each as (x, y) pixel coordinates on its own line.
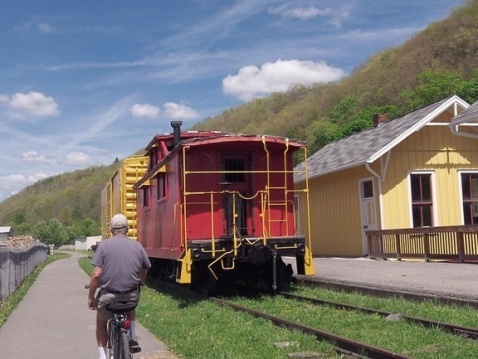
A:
(185, 268)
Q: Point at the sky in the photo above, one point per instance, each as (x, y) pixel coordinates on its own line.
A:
(85, 82)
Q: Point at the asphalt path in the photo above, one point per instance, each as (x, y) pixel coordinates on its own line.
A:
(53, 320)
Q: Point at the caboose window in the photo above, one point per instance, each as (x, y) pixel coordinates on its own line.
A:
(145, 197)
(235, 170)
(161, 185)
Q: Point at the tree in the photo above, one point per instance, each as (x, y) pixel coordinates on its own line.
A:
(433, 86)
(50, 232)
(343, 110)
(468, 91)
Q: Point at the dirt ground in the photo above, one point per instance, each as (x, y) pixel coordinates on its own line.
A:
(162, 355)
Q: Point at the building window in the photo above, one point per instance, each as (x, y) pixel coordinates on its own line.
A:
(469, 187)
(367, 189)
(422, 201)
(161, 185)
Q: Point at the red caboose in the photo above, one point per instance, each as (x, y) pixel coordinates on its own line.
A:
(215, 206)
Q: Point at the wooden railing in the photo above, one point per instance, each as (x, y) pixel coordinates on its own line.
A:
(446, 243)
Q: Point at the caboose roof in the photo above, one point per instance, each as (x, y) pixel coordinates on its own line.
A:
(217, 136)
(194, 138)
(184, 135)
(231, 137)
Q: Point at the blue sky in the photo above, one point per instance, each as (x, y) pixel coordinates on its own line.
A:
(85, 82)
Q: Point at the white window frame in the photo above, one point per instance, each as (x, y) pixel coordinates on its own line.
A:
(460, 191)
(433, 191)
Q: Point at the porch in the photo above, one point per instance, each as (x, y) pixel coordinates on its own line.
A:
(457, 243)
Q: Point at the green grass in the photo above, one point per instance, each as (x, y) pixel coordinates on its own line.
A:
(205, 330)
(398, 336)
(430, 309)
(10, 303)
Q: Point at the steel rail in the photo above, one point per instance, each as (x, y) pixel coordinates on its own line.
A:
(383, 292)
(343, 345)
(467, 332)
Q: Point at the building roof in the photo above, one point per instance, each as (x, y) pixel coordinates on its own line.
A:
(468, 115)
(5, 229)
(367, 146)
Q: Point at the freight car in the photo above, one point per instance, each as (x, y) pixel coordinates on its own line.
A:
(221, 208)
(118, 195)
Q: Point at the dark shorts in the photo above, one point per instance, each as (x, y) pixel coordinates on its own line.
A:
(104, 297)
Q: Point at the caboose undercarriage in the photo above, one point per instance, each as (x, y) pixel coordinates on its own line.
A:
(250, 262)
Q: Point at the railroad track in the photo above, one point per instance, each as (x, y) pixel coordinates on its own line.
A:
(471, 333)
(363, 289)
(342, 345)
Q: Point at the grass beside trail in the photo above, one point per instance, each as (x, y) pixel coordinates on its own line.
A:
(9, 304)
(204, 330)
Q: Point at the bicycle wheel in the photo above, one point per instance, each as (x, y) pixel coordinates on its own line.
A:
(110, 354)
(125, 352)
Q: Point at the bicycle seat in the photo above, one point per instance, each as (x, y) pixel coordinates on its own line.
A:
(121, 307)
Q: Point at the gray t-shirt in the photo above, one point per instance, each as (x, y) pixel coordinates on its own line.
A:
(121, 260)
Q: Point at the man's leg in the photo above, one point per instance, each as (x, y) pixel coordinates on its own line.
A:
(133, 343)
(101, 331)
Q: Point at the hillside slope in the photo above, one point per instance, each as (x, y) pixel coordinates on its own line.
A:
(450, 45)
(390, 81)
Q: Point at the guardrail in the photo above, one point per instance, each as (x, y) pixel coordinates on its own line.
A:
(18, 263)
(458, 243)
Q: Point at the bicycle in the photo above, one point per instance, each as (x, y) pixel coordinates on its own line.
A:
(118, 345)
(118, 328)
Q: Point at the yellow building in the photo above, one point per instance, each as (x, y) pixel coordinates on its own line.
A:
(420, 170)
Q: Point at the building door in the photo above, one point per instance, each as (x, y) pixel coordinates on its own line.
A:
(368, 210)
(237, 186)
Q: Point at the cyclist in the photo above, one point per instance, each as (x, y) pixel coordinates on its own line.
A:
(120, 268)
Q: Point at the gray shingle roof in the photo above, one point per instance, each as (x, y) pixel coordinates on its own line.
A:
(367, 146)
(468, 115)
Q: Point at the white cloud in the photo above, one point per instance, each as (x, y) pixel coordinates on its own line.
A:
(252, 81)
(34, 103)
(45, 28)
(33, 156)
(78, 159)
(178, 111)
(298, 12)
(144, 110)
(13, 183)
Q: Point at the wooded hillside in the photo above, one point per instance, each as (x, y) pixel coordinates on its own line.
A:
(440, 61)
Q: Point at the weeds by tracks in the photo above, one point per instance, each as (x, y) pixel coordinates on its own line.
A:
(202, 329)
(398, 336)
